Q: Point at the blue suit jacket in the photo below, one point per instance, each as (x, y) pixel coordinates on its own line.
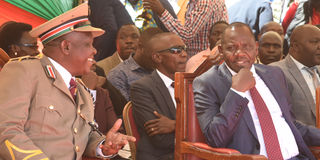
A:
(226, 120)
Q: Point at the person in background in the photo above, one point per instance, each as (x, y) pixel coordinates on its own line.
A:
(255, 13)
(135, 67)
(270, 48)
(16, 40)
(109, 15)
(145, 18)
(154, 106)
(200, 16)
(4, 58)
(127, 43)
(306, 12)
(212, 52)
(301, 69)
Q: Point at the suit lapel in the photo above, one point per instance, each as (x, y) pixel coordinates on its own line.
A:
(57, 81)
(163, 90)
(246, 115)
(297, 75)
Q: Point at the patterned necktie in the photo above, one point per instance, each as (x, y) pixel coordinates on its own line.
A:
(313, 72)
(73, 88)
(269, 132)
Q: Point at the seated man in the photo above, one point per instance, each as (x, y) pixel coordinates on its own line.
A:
(212, 52)
(301, 68)
(233, 114)
(270, 48)
(153, 101)
(276, 27)
(127, 43)
(135, 67)
(45, 112)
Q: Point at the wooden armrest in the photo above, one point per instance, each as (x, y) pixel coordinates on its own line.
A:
(218, 150)
(86, 158)
(315, 151)
(204, 151)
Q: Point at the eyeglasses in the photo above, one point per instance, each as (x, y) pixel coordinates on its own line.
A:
(174, 50)
(31, 45)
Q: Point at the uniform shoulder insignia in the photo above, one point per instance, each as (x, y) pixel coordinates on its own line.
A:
(24, 58)
(81, 82)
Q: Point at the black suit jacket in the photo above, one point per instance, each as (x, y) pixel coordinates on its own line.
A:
(226, 120)
(147, 95)
(109, 15)
(166, 5)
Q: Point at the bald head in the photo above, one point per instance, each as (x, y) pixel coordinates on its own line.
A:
(305, 45)
(272, 26)
(270, 47)
(168, 53)
(270, 34)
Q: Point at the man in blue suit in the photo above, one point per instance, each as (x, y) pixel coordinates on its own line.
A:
(248, 107)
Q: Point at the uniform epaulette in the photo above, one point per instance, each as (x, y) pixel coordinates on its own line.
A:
(24, 58)
(85, 87)
(81, 82)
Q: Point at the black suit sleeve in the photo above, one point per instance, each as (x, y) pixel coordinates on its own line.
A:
(144, 104)
(108, 15)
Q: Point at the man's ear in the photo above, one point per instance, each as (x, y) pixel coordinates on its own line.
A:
(156, 58)
(14, 48)
(65, 47)
(257, 47)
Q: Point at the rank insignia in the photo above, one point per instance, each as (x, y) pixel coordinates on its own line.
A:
(50, 72)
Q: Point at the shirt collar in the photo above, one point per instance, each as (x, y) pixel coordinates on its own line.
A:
(133, 65)
(167, 81)
(298, 64)
(65, 74)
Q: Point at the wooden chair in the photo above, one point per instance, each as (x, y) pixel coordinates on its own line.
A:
(190, 142)
(316, 150)
(131, 128)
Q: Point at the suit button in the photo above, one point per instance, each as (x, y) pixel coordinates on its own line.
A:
(51, 107)
(77, 148)
(258, 146)
(75, 130)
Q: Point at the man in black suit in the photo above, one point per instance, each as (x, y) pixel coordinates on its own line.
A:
(109, 15)
(153, 101)
(248, 107)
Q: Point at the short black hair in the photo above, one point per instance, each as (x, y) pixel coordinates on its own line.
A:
(238, 25)
(216, 23)
(11, 33)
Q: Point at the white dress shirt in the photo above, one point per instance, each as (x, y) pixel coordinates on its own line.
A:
(65, 74)
(307, 77)
(286, 138)
(167, 82)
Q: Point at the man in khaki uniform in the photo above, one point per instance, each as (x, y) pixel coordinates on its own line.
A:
(44, 111)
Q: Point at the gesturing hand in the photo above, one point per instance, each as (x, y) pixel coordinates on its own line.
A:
(161, 125)
(243, 80)
(115, 140)
(154, 5)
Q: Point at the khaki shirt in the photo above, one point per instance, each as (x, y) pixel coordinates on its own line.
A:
(39, 118)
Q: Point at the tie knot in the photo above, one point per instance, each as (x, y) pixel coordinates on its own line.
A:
(73, 83)
(172, 84)
(311, 70)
